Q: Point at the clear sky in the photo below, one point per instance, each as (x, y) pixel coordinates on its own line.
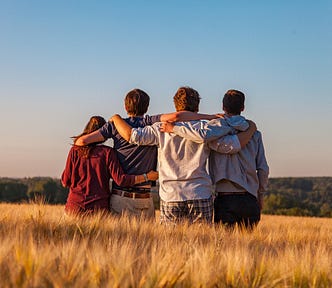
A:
(63, 61)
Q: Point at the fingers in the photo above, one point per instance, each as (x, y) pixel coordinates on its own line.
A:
(153, 175)
(166, 127)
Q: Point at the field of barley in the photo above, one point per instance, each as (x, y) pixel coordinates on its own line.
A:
(40, 247)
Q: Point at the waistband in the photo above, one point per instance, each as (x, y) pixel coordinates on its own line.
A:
(133, 189)
(220, 194)
(133, 195)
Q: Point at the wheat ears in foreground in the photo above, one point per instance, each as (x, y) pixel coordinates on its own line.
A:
(40, 247)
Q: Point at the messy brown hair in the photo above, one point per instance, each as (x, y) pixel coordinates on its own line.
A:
(186, 99)
(95, 123)
(233, 102)
(137, 102)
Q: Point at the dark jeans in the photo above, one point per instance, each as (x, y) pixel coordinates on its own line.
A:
(234, 210)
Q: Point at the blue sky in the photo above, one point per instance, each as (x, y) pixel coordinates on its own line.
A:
(64, 61)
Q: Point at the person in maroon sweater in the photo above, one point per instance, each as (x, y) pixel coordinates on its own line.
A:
(88, 172)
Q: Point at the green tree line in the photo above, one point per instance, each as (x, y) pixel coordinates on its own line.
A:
(308, 196)
(305, 196)
(48, 189)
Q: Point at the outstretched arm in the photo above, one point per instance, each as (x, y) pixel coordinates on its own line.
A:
(127, 180)
(89, 138)
(139, 136)
(150, 176)
(198, 133)
(186, 116)
(122, 126)
(214, 134)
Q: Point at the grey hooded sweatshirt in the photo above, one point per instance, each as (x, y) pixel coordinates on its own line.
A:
(246, 170)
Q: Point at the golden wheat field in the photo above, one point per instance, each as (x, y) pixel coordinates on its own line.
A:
(40, 247)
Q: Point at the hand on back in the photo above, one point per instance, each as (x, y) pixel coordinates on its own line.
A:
(166, 127)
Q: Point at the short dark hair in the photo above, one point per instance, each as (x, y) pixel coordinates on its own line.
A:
(137, 102)
(186, 99)
(233, 102)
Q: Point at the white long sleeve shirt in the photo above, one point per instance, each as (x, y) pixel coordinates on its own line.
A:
(182, 163)
(246, 170)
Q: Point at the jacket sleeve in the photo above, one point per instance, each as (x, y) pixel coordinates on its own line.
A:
(262, 166)
(117, 173)
(145, 136)
(206, 131)
(150, 120)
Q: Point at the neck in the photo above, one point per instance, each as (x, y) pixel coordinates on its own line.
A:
(133, 115)
(230, 114)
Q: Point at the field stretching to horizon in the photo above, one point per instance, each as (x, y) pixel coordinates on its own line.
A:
(41, 247)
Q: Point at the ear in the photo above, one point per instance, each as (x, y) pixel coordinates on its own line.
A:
(242, 108)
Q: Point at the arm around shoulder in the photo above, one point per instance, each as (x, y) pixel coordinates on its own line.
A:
(244, 137)
(122, 126)
(93, 137)
(186, 116)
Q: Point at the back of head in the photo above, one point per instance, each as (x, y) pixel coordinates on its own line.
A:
(186, 99)
(233, 102)
(137, 102)
(95, 123)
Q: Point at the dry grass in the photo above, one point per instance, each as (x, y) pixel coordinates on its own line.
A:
(40, 247)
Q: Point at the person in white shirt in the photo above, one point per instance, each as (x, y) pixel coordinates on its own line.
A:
(240, 179)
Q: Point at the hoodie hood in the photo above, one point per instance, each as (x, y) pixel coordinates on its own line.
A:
(237, 122)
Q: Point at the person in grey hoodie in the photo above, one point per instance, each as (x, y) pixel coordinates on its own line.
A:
(240, 178)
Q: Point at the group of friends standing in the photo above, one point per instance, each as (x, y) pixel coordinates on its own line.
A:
(211, 168)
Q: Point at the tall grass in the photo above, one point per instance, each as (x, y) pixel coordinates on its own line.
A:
(40, 247)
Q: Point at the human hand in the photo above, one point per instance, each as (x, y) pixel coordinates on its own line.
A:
(152, 175)
(166, 127)
(79, 142)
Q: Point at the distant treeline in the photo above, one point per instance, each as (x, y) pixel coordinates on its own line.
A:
(308, 196)
(47, 189)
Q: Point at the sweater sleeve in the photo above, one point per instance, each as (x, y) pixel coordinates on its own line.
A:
(145, 136)
(66, 174)
(262, 166)
(117, 173)
(202, 131)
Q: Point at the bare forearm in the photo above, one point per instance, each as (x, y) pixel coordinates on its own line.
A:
(89, 138)
(244, 137)
(122, 126)
(150, 176)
